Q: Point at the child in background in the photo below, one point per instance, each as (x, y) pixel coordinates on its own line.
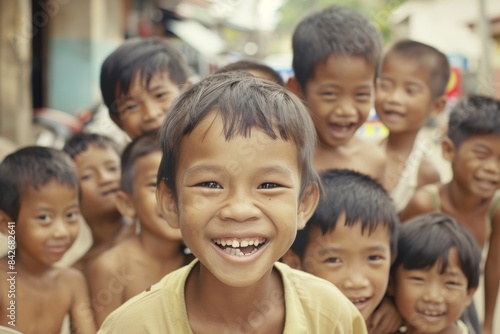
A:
(336, 55)
(471, 197)
(155, 251)
(97, 161)
(436, 273)
(139, 81)
(255, 69)
(39, 211)
(350, 241)
(226, 167)
(411, 88)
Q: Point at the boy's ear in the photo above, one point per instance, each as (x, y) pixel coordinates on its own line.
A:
(294, 87)
(167, 205)
(470, 294)
(448, 148)
(307, 205)
(292, 260)
(438, 105)
(4, 220)
(125, 204)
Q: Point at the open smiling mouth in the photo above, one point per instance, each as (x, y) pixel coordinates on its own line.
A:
(240, 247)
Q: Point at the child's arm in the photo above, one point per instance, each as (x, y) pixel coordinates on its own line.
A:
(420, 203)
(385, 319)
(106, 290)
(82, 319)
(492, 275)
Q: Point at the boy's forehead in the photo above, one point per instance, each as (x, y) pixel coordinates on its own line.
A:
(144, 80)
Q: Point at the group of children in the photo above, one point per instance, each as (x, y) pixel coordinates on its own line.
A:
(196, 226)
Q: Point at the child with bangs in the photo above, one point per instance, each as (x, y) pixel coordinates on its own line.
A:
(471, 197)
(151, 254)
(97, 161)
(139, 81)
(411, 89)
(436, 273)
(351, 241)
(336, 55)
(226, 167)
(40, 213)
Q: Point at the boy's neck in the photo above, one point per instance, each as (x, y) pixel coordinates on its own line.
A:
(460, 200)
(159, 248)
(208, 299)
(27, 265)
(105, 228)
(401, 142)
(451, 329)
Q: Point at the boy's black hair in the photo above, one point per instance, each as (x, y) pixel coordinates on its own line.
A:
(243, 102)
(428, 238)
(141, 146)
(428, 58)
(247, 65)
(145, 57)
(363, 201)
(32, 167)
(81, 142)
(337, 31)
(472, 116)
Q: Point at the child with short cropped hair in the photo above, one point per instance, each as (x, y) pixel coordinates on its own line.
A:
(155, 251)
(336, 55)
(410, 89)
(97, 161)
(226, 167)
(350, 240)
(139, 81)
(436, 273)
(471, 197)
(254, 68)
(39, 211)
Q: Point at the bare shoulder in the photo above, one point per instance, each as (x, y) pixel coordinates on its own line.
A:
(427, 173)
(113, 257)
(71, 276)
(370, 149)
(421, 203)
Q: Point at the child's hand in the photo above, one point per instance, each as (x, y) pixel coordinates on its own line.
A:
(385, 319)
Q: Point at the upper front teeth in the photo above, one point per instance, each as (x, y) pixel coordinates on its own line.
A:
(231, 242)
(431, 313)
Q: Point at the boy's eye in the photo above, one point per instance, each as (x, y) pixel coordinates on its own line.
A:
(374, 258)
(416, 279)
(151, 185)
(384, 85)
(209, 184)
(268, 185)
(332, 260)
(113, 168)
(86, 177)
(73, 215)
(453, 283)
(481, 154)
(329, 95)
(161, 95)
(44, 219)
(363, 96)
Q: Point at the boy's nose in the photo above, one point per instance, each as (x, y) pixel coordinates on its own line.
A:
(105, 176)
(395, 96)
(61, 229)
(434, 293)
(239, 208)
(356, 281)
(151, 111)
(345, 109)
(492, 165)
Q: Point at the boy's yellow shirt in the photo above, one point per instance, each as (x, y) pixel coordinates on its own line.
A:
(312, 305)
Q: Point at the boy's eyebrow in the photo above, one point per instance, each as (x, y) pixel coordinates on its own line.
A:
(332, 249)
(216, 169)
(152, 88)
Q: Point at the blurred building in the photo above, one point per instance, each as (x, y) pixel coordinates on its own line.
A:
(453, 26)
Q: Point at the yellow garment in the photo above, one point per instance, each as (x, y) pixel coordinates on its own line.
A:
(312, 305)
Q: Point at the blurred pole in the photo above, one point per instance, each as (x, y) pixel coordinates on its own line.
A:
(485, 82)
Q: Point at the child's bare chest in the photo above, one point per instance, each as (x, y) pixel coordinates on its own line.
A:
(474, 221)
(34, 306)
